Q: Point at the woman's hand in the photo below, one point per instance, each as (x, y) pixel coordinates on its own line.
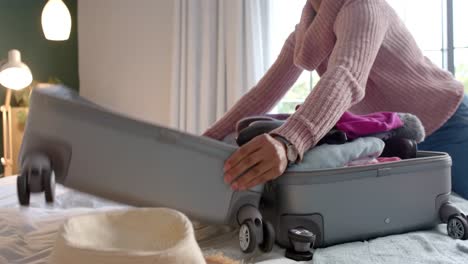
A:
(262, 159)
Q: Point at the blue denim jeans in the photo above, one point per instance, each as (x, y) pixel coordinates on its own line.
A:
(452, 138)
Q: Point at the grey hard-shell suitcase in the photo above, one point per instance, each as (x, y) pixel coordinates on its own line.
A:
(88, 148)
(358, 203)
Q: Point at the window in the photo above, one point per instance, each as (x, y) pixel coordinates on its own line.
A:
(427, 26)
(439, 31)
(438, 28)
(460, 36)
(289, 13)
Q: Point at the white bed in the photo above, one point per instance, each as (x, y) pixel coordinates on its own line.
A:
(27, 235)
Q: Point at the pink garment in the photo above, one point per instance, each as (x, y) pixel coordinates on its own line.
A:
(371, 161)
(368, 62)
(389, 159)
(362, 162)
(361, 125)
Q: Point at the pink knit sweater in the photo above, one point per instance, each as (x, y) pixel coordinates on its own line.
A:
(368, 62)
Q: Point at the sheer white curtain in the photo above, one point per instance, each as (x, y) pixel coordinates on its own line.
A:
(221, 51)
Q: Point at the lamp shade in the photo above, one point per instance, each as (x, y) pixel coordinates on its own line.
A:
(56, 20)
(15, 74)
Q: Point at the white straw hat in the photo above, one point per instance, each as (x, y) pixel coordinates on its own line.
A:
(134, 236)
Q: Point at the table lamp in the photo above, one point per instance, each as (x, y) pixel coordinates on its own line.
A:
(14, 75)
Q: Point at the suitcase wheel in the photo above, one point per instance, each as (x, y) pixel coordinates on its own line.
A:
(268, 237)
(457, 227)
(302, 241)
(36, 176)
(247, 236)
(49, 186)
(298, 256)
(22, 189)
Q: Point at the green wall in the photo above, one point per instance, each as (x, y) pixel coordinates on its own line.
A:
(20, 28)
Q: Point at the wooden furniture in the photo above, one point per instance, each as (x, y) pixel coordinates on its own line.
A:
(13, 129)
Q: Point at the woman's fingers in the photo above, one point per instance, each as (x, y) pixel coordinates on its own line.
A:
(258, 161)
(242, 153)
(253, 173)
(270, 170)
(246, 162)
(265, 177)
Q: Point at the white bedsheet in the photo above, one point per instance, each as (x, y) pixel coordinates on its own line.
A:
(27, 235)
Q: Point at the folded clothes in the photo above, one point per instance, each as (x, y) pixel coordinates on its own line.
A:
(230, 139)
(336, 156)
(256, 126)
(371, 161)
(362, 162)
(389, 159)
(245, 122)
(412, 129)
(400, 147)
(334, 137)
(362, 125)
(410, 126)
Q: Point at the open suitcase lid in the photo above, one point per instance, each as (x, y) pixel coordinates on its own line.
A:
(107, 154)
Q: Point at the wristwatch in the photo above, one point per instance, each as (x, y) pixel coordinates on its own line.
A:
(292, 153)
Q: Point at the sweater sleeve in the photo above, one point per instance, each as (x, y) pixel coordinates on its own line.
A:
(264, 96)
(360, 28)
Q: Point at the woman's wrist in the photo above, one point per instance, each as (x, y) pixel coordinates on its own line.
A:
(291, 151)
